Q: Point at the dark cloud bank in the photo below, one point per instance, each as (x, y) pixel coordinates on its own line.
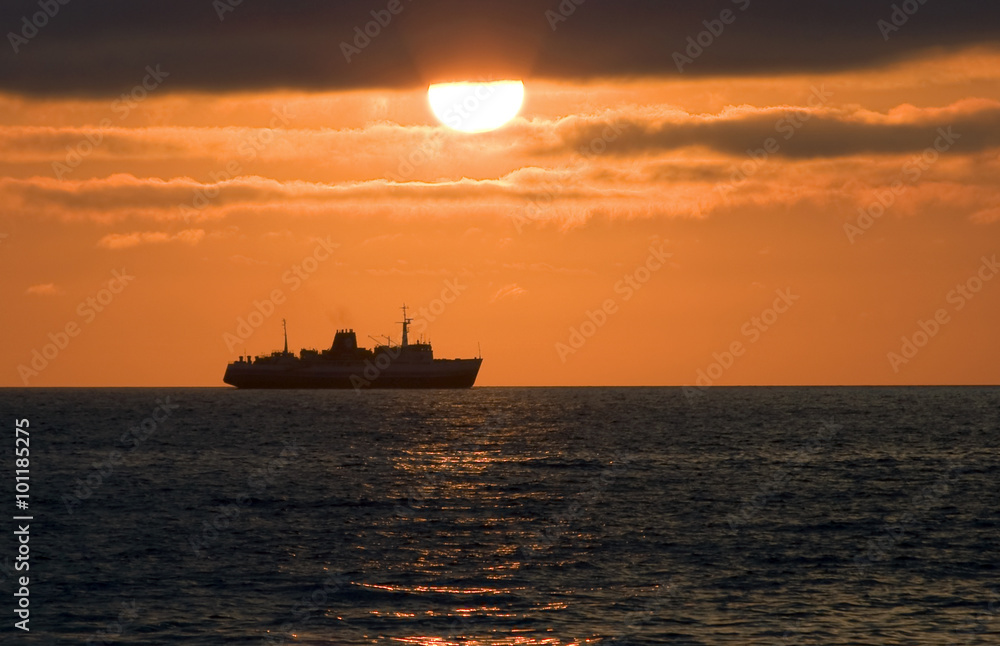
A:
(93, 47)
(795, 134)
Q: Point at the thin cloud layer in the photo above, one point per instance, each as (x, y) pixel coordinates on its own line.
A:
(397, 152)
(43, 289)
(136, 238)
(186, 197)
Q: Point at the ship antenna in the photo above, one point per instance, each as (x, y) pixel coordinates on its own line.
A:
(406, 324)
(284, 326)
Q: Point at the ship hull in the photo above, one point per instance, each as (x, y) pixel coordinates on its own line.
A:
(441, 373)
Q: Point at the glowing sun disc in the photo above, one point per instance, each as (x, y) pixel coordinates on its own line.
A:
(476, 107)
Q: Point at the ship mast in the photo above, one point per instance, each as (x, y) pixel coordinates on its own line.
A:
(284, 327)
(406, 324)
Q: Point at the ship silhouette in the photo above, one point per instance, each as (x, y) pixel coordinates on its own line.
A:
(346, 365)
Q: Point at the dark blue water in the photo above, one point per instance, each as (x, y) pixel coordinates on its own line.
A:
(510, 516)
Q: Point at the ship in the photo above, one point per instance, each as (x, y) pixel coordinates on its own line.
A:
(346, 365)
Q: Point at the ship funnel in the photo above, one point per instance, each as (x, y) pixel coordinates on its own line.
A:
(346, 341)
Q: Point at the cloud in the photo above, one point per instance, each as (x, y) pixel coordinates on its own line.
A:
(795, 131)
(533, 148)
(182, 197)
(986, 216)
(101, 48)
(512, 290)
(612, 187)
(127, 240)
(659, 161)
(44, 289)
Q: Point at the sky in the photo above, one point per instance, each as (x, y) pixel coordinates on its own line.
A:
(701, 193)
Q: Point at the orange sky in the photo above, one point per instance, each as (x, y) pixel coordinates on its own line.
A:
(214, 201)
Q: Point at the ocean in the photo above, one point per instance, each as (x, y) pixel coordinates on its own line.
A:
(507, 516)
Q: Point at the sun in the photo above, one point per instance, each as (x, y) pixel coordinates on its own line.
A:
(476, 107)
